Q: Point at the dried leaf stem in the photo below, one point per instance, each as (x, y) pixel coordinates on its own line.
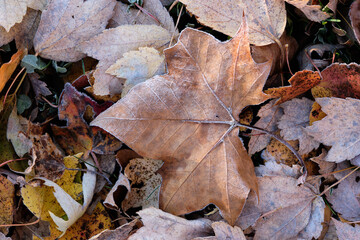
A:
(297, 155)
(235, 123)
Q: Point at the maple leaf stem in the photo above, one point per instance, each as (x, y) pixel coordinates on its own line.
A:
(297, 155)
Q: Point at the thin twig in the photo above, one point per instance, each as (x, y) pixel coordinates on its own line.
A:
(48, 102)
(20, 224)
(287, 57)
(333, 58)
(338, 181)
(96, 161)
(7, 92)
(297, 155)
(176, 25)
(147, 13)
(12, 160)
(173, 5)
(312, 62)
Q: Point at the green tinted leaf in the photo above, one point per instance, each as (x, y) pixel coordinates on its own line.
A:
(23, 103)
(31, 62)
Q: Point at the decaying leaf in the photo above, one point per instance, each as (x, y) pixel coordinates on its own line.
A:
(7, 195)
(110, 200)
(276, 151)
(77, 136)
(67, 23)
(13, 11)
(285, 211)
(16, 133)
(43, 203)
(266, 19)
(125, 16)
(7, 69)
(186, 117)
(269, 116)
(272, 52)
(301, 82)
(355, 18)
(340, 80)
(294, 121)
(142, 172)
(30, 138)
(72, 208)
(163, 226)
(312, 12)
(110, 46)
(325, 168)
(23, 32)
(272, 168)
(347, 192)
(316, 114)
(137, 66)
(224, 231)
(120, 233)
(339, 128)
(345, 231)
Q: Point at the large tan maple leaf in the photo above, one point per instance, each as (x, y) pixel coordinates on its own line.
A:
(188, 119)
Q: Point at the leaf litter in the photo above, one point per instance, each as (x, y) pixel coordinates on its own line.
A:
(191, 106)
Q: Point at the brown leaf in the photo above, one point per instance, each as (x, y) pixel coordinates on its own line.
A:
(163, 226)
(12, 11)
(22, 32)
(354, 14)
(339, 128)
(123, 15)
(7, 69)
(345, 231)
(39, 87)
(269, 116)
(272, 52)
(266, 19)
(345, 198)
(31, 138)
(224, 231)
(294, 121)
(285, 210)
(120, 233)
(137, 67)
(77, 136)
(312, 12)
(325, 167)
(276, 151)
(67, 23)
(111, 44)
(185, 119)
(145, 183)
(115, 191)
(301, 82)
(340, 80)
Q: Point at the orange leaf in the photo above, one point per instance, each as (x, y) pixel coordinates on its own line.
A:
(7, 69)
(301, 82)
(187, 118)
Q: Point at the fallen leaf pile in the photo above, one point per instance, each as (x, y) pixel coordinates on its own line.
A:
(162, 119)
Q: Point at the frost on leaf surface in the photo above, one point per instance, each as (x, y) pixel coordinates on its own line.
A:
(339, 129)
(294, 121)
(185, 118)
